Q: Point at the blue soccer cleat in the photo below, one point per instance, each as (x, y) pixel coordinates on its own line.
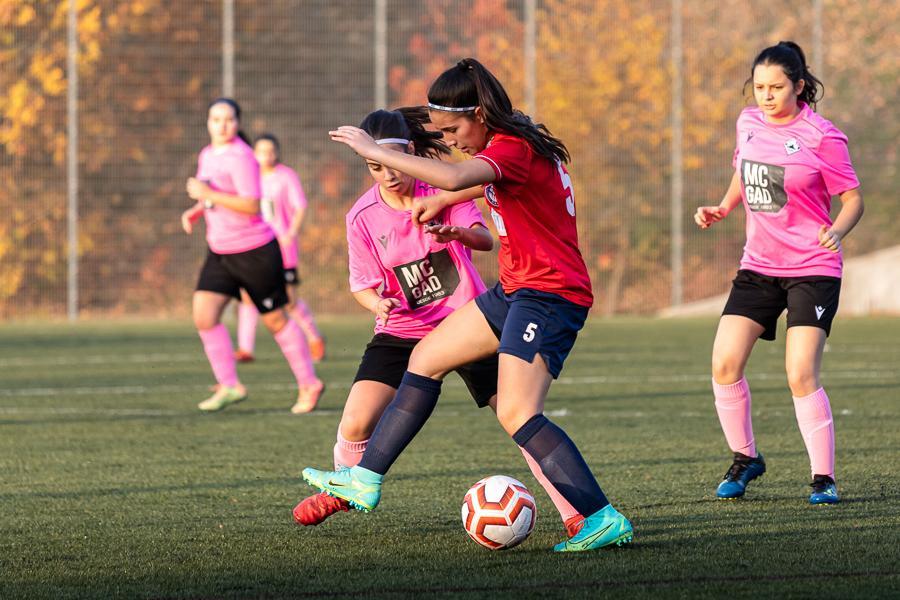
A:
(606, 527)
(361, 488)
(742, 471)
(824, 490)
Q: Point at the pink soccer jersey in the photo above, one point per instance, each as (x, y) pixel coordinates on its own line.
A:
(282, 197)
(390, 254)
(789, 173)
(232, 169)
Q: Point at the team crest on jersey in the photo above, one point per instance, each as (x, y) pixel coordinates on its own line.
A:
(490, 195)
(428, 279)
(763, 186)
(791, 146)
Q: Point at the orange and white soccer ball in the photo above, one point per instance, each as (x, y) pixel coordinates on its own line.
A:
(498, 512)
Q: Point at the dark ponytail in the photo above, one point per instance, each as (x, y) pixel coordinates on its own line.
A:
(237, 115)
(470, 84)
(790, 57)
(407, 123)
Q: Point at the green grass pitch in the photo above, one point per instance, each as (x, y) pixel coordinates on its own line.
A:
(114, 485)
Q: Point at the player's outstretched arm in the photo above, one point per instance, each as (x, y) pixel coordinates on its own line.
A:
(440, 174)
(476, 237)
(707, 215)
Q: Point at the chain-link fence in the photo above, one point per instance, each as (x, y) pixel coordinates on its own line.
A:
(645, 94)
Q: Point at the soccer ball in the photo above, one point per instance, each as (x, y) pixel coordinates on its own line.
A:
(498, 512)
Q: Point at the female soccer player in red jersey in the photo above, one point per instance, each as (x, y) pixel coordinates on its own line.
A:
(283, 206)
(243, 254)
(411, 278)
(789, 162)
(531, 318)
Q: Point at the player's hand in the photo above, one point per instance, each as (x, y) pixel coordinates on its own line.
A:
(829, 238)
(707, 215)
(426, 208)
(360, 141)
(196, 189)
(384, 307)
(187, 221)
(444, 233)
(285, 241)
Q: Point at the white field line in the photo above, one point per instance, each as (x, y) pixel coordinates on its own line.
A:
(132, 412)
(162, 357)
(328, 412)
(117, 359)
(96, 359)
(181, 390)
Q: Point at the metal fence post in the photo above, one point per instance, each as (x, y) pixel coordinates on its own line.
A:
(72, 159)
(818, 48)
(676, 160)
(531, 58)
(228, 48)
(380, 54)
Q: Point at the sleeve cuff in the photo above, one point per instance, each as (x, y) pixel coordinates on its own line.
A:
(493, 165)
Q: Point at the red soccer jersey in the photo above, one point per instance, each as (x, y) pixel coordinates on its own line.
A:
(533, 207)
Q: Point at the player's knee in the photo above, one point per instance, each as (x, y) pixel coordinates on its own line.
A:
(356, 427)
(802, 381)
(726, 369)
(204, 321)
(422, 363)
(512, 418)
(275, 321)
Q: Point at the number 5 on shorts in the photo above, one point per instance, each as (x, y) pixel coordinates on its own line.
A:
(529, 332)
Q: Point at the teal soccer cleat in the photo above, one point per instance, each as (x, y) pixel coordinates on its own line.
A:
(606, 527)
(361, 488)
(741, 472)
(824, 490)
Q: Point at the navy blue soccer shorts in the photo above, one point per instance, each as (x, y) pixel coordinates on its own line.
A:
(529, 322)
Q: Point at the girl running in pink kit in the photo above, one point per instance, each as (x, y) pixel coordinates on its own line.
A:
(789, 162)
(283, 206)
(411, 278)
(530, 318)
(242, 253)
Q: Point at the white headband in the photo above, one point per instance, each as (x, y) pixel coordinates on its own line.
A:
(392, 141)
(451, 108)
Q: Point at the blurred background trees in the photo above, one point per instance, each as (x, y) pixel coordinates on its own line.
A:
(604, 82)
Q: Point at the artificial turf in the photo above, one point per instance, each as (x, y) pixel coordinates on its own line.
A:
(114, 485)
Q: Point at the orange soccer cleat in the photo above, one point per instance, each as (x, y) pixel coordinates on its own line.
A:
(242, 356)
(317, 349)
(317, 508)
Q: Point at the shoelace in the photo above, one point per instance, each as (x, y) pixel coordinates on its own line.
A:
(821, 483)
(736, 469)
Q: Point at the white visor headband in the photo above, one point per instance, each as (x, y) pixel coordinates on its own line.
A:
(451, 108)
(392, 141)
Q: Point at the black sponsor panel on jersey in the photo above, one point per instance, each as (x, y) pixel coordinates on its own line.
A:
(763, 186)
(428, 279)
